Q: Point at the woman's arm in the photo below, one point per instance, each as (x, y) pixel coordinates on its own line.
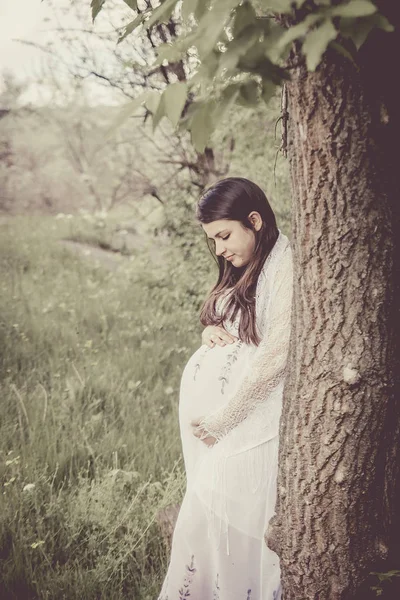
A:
(269, 361)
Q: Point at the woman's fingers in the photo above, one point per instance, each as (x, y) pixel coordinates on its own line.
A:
(207, 336)
(224, 336)
(217, 335)
(209, 342)
(198, 431)
(227, 337)
(217, 339)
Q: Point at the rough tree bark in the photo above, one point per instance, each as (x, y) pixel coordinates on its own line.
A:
(339, 439)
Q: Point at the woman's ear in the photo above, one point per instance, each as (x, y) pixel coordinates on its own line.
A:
(255, 219)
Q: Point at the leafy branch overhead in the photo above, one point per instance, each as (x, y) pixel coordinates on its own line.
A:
(239, 50)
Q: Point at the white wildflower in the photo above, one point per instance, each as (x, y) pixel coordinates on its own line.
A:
(29, 487)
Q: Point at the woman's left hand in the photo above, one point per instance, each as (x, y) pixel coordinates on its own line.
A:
(200, 433)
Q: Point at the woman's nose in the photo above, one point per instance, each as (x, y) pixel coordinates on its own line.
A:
(219, 248)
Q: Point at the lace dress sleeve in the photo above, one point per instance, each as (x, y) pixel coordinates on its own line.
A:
(269, 359)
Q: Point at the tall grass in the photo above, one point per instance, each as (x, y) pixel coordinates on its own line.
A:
(90, 450)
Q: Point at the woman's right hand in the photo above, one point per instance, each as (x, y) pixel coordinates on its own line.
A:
(216, 335)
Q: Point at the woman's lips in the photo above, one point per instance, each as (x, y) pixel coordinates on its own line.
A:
(229, 257)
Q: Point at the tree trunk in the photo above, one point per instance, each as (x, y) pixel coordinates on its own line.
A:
(339, 438)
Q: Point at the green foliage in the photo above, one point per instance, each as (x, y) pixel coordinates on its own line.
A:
(96, 6)
(189, 8)
(240, 43)
(161, 13)
(298, 31)
(317, 42)
(355, 8)
(278, 6)
(384, 579)
(133, 25)
(171, 103)
(132, 4)
(357, 30)
(201, 124)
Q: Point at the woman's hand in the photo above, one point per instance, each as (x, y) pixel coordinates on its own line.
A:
(216, 335)
(200, 433)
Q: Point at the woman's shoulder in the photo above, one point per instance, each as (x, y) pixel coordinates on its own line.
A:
(282, 245)
(280, 253)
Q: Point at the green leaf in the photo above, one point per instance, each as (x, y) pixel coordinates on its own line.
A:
(208, 68)
(360, 32)
(225, 101)
(344, 52)
(278, 6)
(317, 42)
(238, 47)
(188, 8)
(382, 22)
(359, 29)
(169, 52)
(202, 125)
(96, 6)
(159, 113)
(270, 44)
(298, 31)
(212, 25)
(132, 4)
(268, 90)
(171, 104)
(161, 13)
(174, 98)
(132, 26)
(255, 61)
(201, 8)
(245, 15)
(152, 101)
(355, 8)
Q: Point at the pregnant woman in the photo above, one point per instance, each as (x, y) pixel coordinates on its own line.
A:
(230, 405)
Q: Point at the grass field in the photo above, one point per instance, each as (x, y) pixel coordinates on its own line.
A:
(91, 361)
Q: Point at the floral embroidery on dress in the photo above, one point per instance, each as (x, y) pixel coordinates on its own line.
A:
(199, 362)
(231, 359)
(184, 592)
(216, 590)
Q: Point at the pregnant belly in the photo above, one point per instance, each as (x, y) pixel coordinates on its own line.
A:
(211, 376)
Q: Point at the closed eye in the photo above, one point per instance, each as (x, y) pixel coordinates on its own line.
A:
(226, 237)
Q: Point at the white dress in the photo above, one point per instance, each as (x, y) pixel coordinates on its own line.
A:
(218, 549)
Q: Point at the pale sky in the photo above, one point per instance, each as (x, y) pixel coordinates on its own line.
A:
(21, 19)
(33, 20)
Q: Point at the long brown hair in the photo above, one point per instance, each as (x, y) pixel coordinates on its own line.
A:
(234, 198)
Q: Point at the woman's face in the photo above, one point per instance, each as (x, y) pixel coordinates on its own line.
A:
(233, 241)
